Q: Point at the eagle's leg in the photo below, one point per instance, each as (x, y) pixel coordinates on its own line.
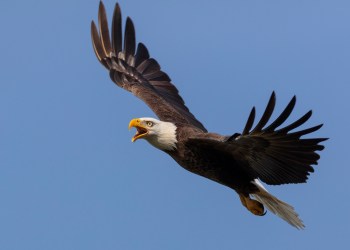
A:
(253, 206)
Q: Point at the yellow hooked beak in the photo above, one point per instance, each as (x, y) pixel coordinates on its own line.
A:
(140, 127)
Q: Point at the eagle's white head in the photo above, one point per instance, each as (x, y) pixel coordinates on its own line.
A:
(161, 135)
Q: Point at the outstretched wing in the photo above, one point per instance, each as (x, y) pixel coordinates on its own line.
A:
(276, 156)
(137, 72)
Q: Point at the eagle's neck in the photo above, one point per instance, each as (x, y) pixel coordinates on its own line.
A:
(164, 136)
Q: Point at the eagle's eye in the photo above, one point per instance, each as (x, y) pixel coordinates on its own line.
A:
(149, 124)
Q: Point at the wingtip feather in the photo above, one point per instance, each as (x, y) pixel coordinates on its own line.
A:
(129, 39)
(96, 44)
(104, 30)
(117, 29)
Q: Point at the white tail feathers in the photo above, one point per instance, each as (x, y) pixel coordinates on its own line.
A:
(278, 207)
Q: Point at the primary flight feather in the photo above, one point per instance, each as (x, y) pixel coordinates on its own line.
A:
(273, 153)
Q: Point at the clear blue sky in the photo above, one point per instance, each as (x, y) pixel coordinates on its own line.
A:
(70, 178)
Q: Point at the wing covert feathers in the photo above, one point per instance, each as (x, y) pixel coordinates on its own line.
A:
(137, 72)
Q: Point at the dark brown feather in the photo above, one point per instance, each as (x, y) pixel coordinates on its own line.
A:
(250, 122)
(141, 54)
(104, 31)
(129, 41)
(96, 43)
(267, 114)
(283, 116)
(117, 30)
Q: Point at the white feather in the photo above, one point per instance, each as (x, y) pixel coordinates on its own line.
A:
(161, 135)
(276, 206)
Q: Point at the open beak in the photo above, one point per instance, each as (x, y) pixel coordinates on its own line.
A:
(141, 129)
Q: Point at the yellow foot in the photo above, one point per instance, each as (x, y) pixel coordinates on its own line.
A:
(253, 206)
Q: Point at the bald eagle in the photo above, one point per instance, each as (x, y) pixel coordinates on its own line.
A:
(274, 153)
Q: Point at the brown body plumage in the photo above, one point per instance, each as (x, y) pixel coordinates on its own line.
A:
(269, 152)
